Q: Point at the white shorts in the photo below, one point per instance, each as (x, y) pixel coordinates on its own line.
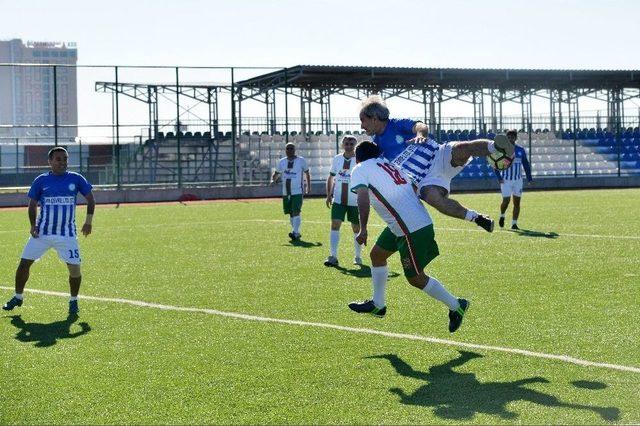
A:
(441, 172)
(511, 187)
(67, 248)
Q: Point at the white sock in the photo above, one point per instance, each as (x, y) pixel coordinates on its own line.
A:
(491, 147)
(334, 240)
(436, 290)
(296, 221)
(502, 215)
(471, 215)
(357, 248)
(514, 222)
(379, 275)
(18, 296)
(291, 222)
(73, 298)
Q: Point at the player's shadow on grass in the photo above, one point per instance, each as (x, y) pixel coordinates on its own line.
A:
(459, 396)
(303, 244)
(45, 335)
(530, 233)
(361, 271)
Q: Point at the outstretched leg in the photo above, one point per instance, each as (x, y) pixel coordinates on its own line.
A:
(438, 197)
(462, 151)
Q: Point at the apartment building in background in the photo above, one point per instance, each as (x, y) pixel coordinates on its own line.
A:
(28, 97)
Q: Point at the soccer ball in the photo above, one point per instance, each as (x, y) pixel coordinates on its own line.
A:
(499, 160)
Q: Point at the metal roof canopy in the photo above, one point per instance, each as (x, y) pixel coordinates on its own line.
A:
(378, 78)
(434, 86)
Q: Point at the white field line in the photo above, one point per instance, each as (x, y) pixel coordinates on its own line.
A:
(213, 222)
(562, 358)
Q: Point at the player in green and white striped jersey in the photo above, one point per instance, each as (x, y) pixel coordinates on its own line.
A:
(409, 230)
(291, 169)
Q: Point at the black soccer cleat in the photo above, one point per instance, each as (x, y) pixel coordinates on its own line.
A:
(368, 307)
(501, 222)
(484, 222)
(12, 304)
(515, 227)
(331, 261)
(455, 317)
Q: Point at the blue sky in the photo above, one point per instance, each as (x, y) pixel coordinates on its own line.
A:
(546, 34)
(556, 34)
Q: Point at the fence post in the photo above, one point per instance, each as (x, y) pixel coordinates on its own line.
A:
(233, 128)
(575, 150)
(118, 183)
(17, 156)
(178, 141)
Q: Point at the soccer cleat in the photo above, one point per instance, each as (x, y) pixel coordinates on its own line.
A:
(294, 237)
(368, 307)
(73, 307)
(502, 144)
(357, 261)
(515, 227)
(12, 304)
(501, 222)
(331, 261)
(484, 222)
(455, 317)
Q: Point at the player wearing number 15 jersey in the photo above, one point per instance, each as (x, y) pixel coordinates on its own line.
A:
(55, 227)
(409, 230)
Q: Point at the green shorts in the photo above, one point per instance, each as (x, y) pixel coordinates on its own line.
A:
(416, 250)
(338, 212)
(292, 204)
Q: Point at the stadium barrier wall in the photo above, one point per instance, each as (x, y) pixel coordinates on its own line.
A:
(151, 195)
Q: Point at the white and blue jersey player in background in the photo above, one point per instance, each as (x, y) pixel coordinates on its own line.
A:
(55, 226)
(511, 181)
(429, 165)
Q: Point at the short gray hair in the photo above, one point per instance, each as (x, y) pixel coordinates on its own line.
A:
(374, 107)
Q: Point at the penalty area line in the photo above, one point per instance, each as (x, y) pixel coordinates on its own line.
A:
(403, 336)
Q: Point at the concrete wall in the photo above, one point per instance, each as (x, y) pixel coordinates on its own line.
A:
(104, 196)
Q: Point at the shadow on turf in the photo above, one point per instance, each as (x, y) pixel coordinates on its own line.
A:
(303, 244)
(45, 335)
(361, 271)
(459, 396)
(530, 233)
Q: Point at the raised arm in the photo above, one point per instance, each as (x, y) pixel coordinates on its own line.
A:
(421, 130)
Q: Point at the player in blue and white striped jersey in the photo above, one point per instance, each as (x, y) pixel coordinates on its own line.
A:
(429, 165)
(55, 226)
(511, 181)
